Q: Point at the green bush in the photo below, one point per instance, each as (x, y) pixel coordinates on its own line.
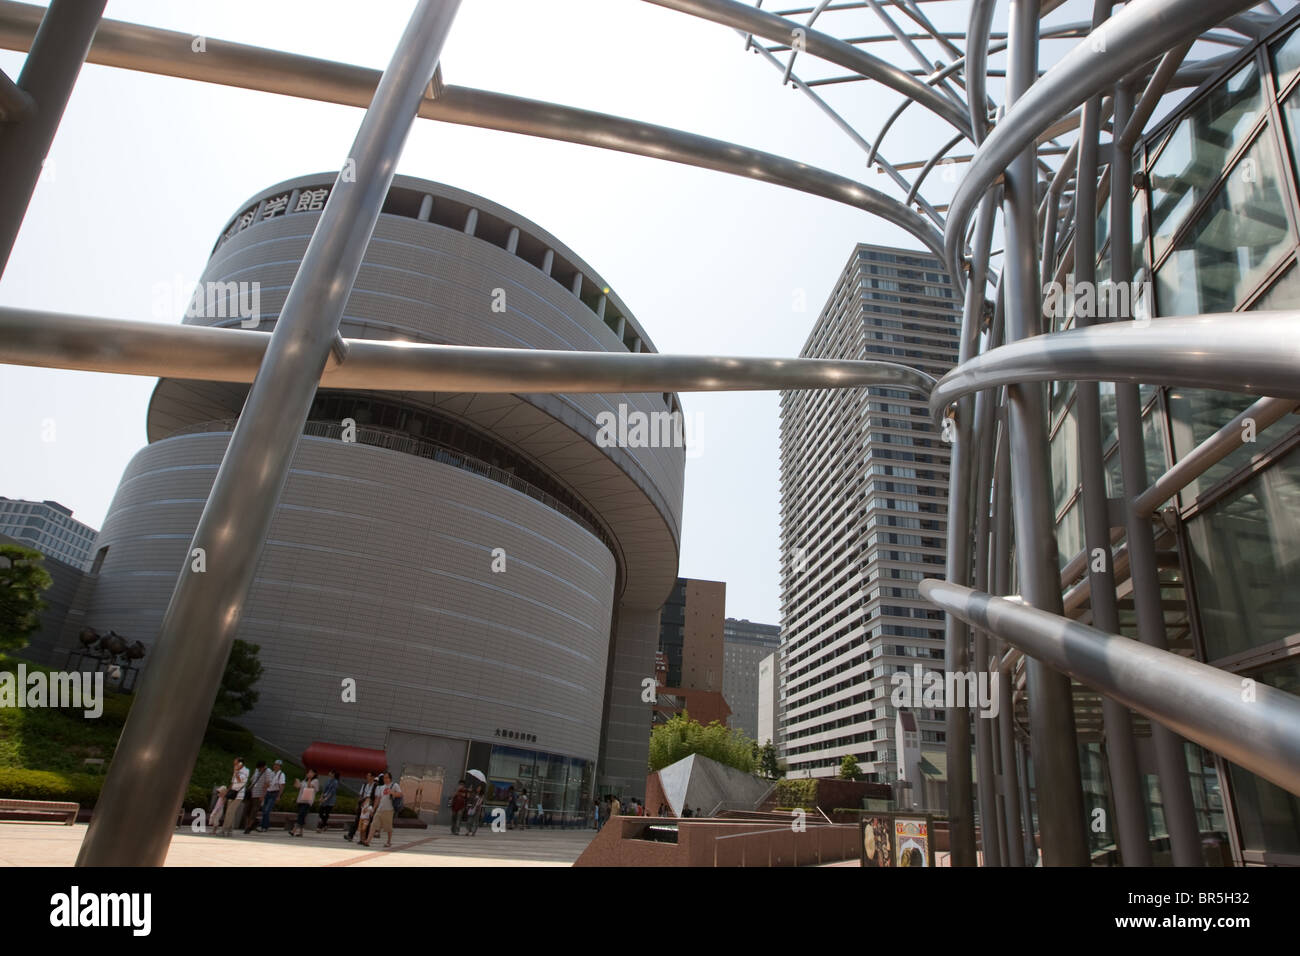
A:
(797, 793)
(19, 784)
(679, 737)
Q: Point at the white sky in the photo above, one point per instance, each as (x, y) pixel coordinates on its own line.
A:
(146, 171)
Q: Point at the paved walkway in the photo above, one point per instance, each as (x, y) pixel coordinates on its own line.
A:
(42, 844)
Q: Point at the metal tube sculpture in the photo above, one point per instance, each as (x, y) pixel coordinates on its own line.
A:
(1000, 500)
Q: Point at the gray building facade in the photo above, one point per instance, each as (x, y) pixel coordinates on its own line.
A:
(745, 644)
(486, 572)
(50, 528)
(864, 497)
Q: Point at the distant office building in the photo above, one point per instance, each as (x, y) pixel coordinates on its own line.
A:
(486, 569)
(691, 648)
(768, 698)
(863, 513)
(691, 634)
(50, 528)
(745, 644)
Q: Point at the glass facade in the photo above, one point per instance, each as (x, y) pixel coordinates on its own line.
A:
(1214, 225)
(559, 787)
(1221, 200)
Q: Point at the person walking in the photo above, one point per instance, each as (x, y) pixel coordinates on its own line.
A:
(257, 794)
(328, 794)
(458, 801)
(615, 808)
(523, 809)
(306, 797)
(512, 806)
(387, 792)
(595, 814)
(235, 795)
(274, 786)
(475, 809)
(366, 792)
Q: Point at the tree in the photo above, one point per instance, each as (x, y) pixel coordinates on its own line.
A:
(768, 764)
(849, 768)
(236, 695)
(22, 579)
(680, 737)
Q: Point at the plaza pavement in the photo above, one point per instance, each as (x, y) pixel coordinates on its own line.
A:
(52, 844)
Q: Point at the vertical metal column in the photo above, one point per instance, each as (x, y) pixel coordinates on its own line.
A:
(961, 821)
(1000, 575)
(48, 75)
(978, 495)
(1051, 706)
(136, 814)
(1130, 825)
(1175, 790)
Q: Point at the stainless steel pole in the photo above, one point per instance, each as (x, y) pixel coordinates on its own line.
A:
(1000, 573)
(1051, 713)
(1171, 759)
(981, 477)
(146, 783)
(956, 634)
(1130, 825)
(48, 75)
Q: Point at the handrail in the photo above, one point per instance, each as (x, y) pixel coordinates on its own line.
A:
(1217, 351)
(1253, 725)
(1210, 452)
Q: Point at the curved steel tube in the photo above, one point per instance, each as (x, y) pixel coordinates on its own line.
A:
(1141, 31)
(1200, 702)
(165, 52)
(1220, 352)
(54, 340)
(780, 30)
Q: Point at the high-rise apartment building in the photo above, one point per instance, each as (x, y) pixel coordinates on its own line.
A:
(864, 491)
(745, 644)
(50, 528)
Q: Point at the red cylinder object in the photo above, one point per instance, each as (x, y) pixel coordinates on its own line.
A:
(348, 761)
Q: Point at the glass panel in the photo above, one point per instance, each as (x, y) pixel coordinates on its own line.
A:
(1139, 223)
(1245, 554)
(1065, 460)
(1284, 293)
(1291, 115)
(1269, 816)
(1103, 228)
(1207, 799)
(1069, 535)
(1198, 149)
(1234, 242)
(1153, 441)
(1286, 59)
(1198, 414)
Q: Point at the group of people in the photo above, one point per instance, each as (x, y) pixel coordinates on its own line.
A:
(467, 808)
(249, 798)
(252, 795)
(378, 801)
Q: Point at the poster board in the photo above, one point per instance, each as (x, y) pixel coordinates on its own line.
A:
(896, 839)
